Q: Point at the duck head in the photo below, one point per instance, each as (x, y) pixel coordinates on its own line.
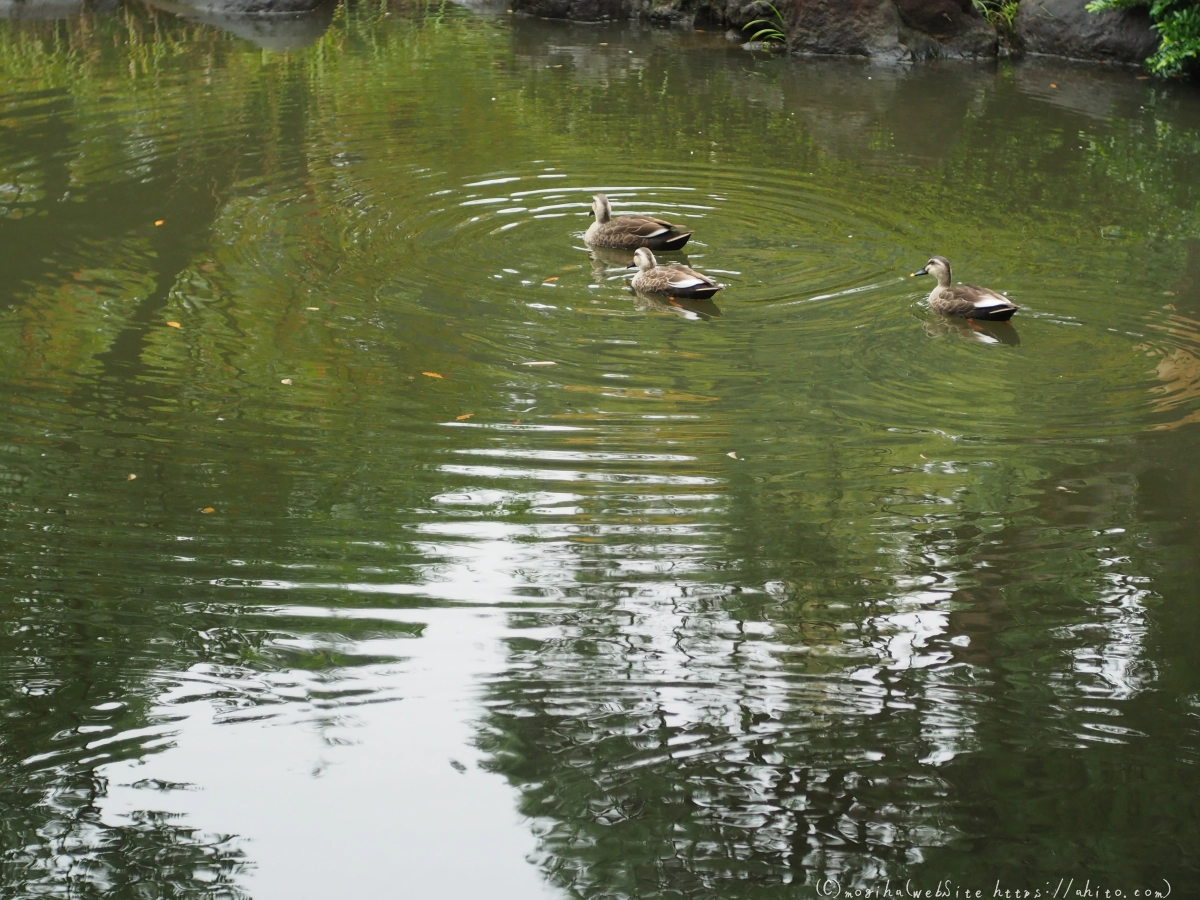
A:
(600, 208)
(938, 267)
(643, 259)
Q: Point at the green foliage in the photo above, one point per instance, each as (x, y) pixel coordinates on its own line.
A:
(1178, 25)
(999, 13)
(768, 34)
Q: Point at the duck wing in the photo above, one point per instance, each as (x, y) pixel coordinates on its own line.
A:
(642, 226)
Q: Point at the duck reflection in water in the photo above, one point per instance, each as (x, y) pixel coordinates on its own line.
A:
(609, 265)
(975, 330)
(692, 310)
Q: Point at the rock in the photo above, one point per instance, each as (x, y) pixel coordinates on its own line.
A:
(577, 10)
(278, 33)
(950, 28)
(250, 7)
(890, 29)
(280, 30)
(879, 29)
(1066, 28)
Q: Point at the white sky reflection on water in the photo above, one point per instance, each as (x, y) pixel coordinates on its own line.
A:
(352, 782)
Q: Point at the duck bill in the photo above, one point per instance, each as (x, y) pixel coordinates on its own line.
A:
(916, 274)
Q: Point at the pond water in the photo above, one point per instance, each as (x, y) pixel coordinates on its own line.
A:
(362, 536)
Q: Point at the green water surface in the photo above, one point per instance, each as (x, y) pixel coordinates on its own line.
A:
(362, 536)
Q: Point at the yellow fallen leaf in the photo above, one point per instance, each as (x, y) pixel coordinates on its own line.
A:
(432, 374)
(159, 221)
(208, 509)
(463, 416)
(551, 278)
(131, 477)
(174, 324)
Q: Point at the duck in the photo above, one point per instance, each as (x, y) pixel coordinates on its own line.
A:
(631, 232)
(674, 281)
(964, 300)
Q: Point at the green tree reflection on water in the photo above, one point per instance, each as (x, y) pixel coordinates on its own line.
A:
(937, 622)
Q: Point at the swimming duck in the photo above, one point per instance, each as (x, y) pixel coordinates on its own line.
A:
(674, 281)
(965, 300)
(631, 232)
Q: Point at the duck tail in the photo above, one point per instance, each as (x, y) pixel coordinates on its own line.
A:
(676, 241)
(996, 314)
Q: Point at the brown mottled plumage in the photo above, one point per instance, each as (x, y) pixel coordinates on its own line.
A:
(673, 281)
(631, 232)
(964, 300)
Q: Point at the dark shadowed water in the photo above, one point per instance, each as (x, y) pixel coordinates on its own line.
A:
(362, 536)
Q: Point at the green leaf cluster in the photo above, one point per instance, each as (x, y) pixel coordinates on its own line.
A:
(1178, 25)
(768, 34)
(1000, 14)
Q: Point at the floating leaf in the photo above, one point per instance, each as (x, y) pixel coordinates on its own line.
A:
(431, 374)
(131, 477)
(551, 278)
(285, 381)
(312, 308)
(208, 509)
(732, 454)
(158, 222)
(463, 416)
(174, 324)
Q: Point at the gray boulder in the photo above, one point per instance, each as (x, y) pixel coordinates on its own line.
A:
(1066, 28)
(878, 29)
(890, 29)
